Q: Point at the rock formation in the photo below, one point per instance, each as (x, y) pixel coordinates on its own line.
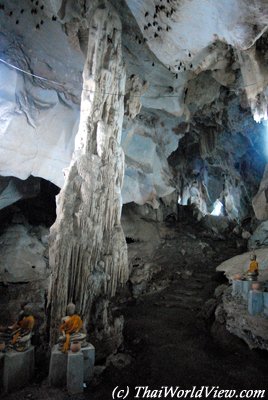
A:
(259, 201)
(88, 253)
(234, 314)
(169, 82)
(24, 272)
(180, 86)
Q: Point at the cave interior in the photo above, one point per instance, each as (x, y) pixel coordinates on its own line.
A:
(134, 184)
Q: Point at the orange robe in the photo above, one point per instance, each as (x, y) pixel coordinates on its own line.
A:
(72, 325)
(25, 325)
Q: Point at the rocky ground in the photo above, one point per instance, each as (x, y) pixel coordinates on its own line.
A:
(171, 337)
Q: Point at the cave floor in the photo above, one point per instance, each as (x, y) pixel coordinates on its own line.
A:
(169, 339)
(172, 344)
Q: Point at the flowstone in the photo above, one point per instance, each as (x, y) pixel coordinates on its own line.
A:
(88, 252)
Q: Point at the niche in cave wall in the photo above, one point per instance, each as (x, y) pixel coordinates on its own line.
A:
(24, 270)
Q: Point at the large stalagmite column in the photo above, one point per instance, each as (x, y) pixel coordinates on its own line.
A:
(88, 253)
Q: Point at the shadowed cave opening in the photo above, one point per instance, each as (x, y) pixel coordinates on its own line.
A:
(37, 203)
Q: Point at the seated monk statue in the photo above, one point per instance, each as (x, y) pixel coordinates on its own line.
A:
(253, 270)
(72, 329)
(18, 336)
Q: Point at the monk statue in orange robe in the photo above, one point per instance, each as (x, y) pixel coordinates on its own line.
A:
(71, 329)
(253, 270)
(18, 336)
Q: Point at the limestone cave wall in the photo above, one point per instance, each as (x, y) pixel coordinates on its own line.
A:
(84, 82)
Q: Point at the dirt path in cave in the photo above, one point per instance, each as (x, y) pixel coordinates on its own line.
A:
(170, 342)
(172, 345)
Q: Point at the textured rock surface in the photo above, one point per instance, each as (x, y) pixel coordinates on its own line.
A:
(159, 248)
(259, 201)
(37, 129)
(189, 19)
(24, 274)
(197, 25)
(22, 254)
(252, 329)
(147, 142)
(88, 253)
(39, 118)
(108, 329)
(259, 237)
(255, 79)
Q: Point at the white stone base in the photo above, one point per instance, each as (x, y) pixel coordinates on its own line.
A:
(61, 363)
(18, 369)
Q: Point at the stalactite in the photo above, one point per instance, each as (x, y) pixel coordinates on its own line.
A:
(87, 236)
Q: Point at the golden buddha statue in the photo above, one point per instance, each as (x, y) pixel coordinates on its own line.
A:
(253, 270)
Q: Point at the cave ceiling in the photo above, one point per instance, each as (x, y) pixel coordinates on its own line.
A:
(196, 85)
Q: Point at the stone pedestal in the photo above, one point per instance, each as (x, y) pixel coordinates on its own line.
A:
(75, 372)
(57, 368)
(237, 287)
(18, 369)
(70, 369)
(89, 361)
(265, 303)
(255, 302)
(2, 356)
(246, 288)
